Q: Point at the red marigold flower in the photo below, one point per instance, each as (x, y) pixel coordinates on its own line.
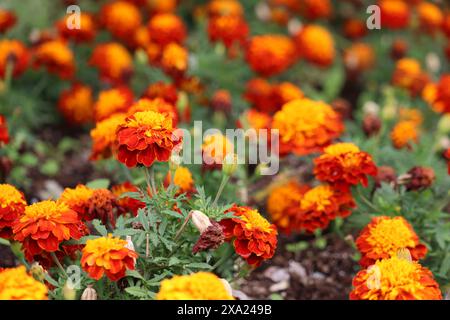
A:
(438, 95)
(418, 178)
(228, 29)
(322, 204)
(404, 134)
(446, 25)
(121, 18)
(174, 60)
(395, 279)
(145, 137)
(166, 91)
(12, 206)
(13, 51)
(409, 75)
(76, 104)
(44, 225)
(270, 54)
(85, 33)
(107, 255)
(104, 138)
(344, 165)
(17, 284)
(130, 204)
(7, 20)
(430, 16)
(254, 238)
(157, 105)
(221, 101)
(306, 126)
(259, 92)
(102, 205)
(4, 136)
(316, 9)
(161, 6)
(77, 199)
(165, 28)
(57, 57)
(255, 120)
(285, 92)
(395, 14)
(113, 61)
(384, 236)
(355, 29)
(112, 101)
(316, 45)
(283, 205)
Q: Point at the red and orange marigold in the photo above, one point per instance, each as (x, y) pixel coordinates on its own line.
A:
(107, 256)
(316, 9)
(404, 134)
(215, 148)
(157, 105)
(315, 43)
(306, 126)
(121, 18)
(166, 91)
(165, 28)
(228, 29)
(182, 179)
(127, 203)
(7, 20)
(77, 199)
(344, 165)
(76, 104)
(217, 8)
(104, 138)
(85, 33)
(112, 101)
(4, 135)
(259, 93)
(56, 57)
(113, 62)
(384, 236)
(12, 206)
(395, 278)
(174, 59)
(395, 14)
(17, 284)
(145, 137)
(408, 74)
(431, 17)
(44, 225)
(438, 95)
(253, 237)
(13, 52)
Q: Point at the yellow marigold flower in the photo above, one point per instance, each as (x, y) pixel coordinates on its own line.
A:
(395, 279)
(174, 59)
(113, 62)
(121, 18)
(112, 101)
(165, 28)
(430, 16)
(384, 236)
(197, 286)
(57, 57)
(225, 8)
(12, 205)
(76, 104)
(316, 44)
(306, 126)
(104, 136)
(404, 134)
(17, 284)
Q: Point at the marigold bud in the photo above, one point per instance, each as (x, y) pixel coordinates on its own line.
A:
(37, 271)
(343, 107)
(211, 238)
(417, 178)
(200, 220)
(399, 49)
(385, 174)
(230, 163)
(371, 125)
(68, 291)
(89, 293)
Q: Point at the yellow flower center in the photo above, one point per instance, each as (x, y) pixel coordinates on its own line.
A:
(318, 197)
(341, 148)
(10, 195)
(104, 245)
(151, 119)
(16, 284)
(254, 220)
(44, 210)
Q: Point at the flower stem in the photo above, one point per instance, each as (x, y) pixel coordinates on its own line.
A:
(58, 264)
(224, 181)
(183, 226)
(149, 177)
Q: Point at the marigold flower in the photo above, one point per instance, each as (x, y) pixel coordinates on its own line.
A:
(165, 28)
(166, 91)
(113, 62)
(446, 25)
(430, 16)
(121, 18)
(409, 75)
(438, 95)
(399, 49)
(371, 124)
(316, 9)
(104, 139)
(85, 33)
(112, 101)
(254, 238)
(77, 199)
(4, 135)
(228, 29)
(384, 236)
(344, 165)
(355, 29)
(210, 238)
(306, 126)
(13, 51)
(140, 38)
(395, 279)
(107, 255)
(145, 137)
(128, 203)
(256, 120)
(17, 284)
(7, 20)
(44, 225)
(411, 114)
(12, 206)
(395, 14)
(215, 148)
(316, 45)
(359, 57)
(270, 54)
(259, 93)
(76, 104)
(157, 105)
(322, 204)
(161, 6)
(418, 178)
(102, 205)
(182, 179)
(57, 57)
(197, 286)
(283, 205)
(404, 134)
(221, 101)
(217, 8)
(285, 92)
(174, 59)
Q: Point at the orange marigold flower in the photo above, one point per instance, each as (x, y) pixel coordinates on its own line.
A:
(316, 9)
(197, 286)
(145, 137)
(182, 179)
(384, 236)
(221, 101)
(166, 91)
(157, 105)
(359, 57)
(107, 255)
(254, 238)
(17, 284)
(404, 134)
(165, 28)
(121, 18)
(355, 29)
(7, 20)
(57, 57)
(4, 135)
(285, 92)
(438, 95)
(127, 203)
(259, 92)
(270, 54)
(161, 6)
(316, 45)
(140, 38)
(306, 126)
(113, 62)
(228, 29)
(411, 114)
(104, 139)
(344, 165)
(77, 199)
(12, 205)
(283, 205)
(217, 8)
(174, 59)
(409, 75)
(112, 101)
(430, 16)
(322, 204)
(255, 120)
(215, 148)
(395, 14)
(85, 33)
(102, 205)
(44, 225)
(395, 279)
(13, 51)
(76, 104)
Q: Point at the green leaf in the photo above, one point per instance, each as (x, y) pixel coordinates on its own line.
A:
(98, 184)
(199, 265)
(50, 168)
(100, 227)
(134, 274)
(137, 292)
(126, 232)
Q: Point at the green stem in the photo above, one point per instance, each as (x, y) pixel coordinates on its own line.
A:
(59, 264)
(183, 226)
(366, 201)
(8, 74)
(148, 180)
(225, 257)
(224, 181)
